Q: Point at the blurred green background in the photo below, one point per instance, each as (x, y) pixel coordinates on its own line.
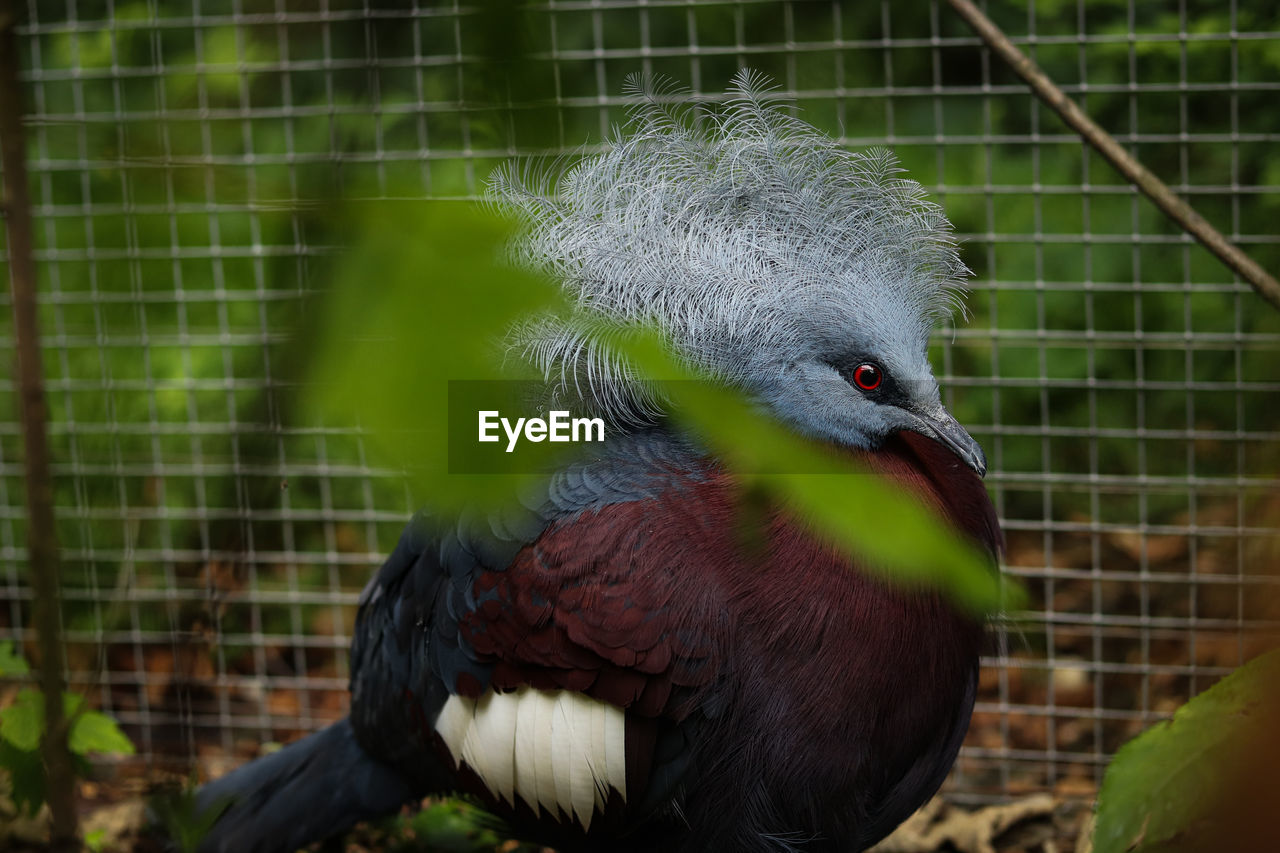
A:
(187, 160)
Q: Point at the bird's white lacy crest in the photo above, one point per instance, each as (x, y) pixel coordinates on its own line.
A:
(745, 235)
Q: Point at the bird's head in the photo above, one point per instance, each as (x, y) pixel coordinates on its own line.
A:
(810, 276)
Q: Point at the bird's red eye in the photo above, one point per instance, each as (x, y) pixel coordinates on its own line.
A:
(867, 377)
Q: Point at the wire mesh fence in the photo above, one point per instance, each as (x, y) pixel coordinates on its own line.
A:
(215, 541)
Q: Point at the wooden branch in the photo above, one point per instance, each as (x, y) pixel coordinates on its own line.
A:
(1137, 174)
(42, 542)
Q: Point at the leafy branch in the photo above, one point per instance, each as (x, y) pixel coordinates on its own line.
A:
(423, 295)
(42, 540)
(22, 728)
(1205, 780)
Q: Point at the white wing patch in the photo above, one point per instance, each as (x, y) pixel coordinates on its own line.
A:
(555, 750)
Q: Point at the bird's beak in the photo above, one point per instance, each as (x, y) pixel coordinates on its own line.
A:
(938, 424)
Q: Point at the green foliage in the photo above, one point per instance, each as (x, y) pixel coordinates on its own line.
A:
(420, 299)
(447, 826)
(442, 263)
(174, 812)
(1180, 784)
(95, 732)
(95, 840)
(12, 664)
(22, 725)
(26, 776)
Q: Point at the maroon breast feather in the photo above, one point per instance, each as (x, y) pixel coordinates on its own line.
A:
(633, 601)
(661, 606)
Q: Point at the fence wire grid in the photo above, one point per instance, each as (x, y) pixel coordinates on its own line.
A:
(1121, 380)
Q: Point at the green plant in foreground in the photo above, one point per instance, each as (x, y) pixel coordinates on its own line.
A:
(22, 727)
(174, 811)
(1205, 780)
(371, 360)
(444, 826)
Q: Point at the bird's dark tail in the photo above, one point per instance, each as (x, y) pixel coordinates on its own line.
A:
(306, 792)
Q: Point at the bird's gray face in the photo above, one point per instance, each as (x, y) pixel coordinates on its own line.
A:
(859, 393)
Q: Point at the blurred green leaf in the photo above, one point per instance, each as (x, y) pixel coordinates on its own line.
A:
(174, 811)
(452, 826)
(424, 296)
(22, 723)
(26, 776)
(12, 664)
(1171, 787)
(22, 727)
(94, 731)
